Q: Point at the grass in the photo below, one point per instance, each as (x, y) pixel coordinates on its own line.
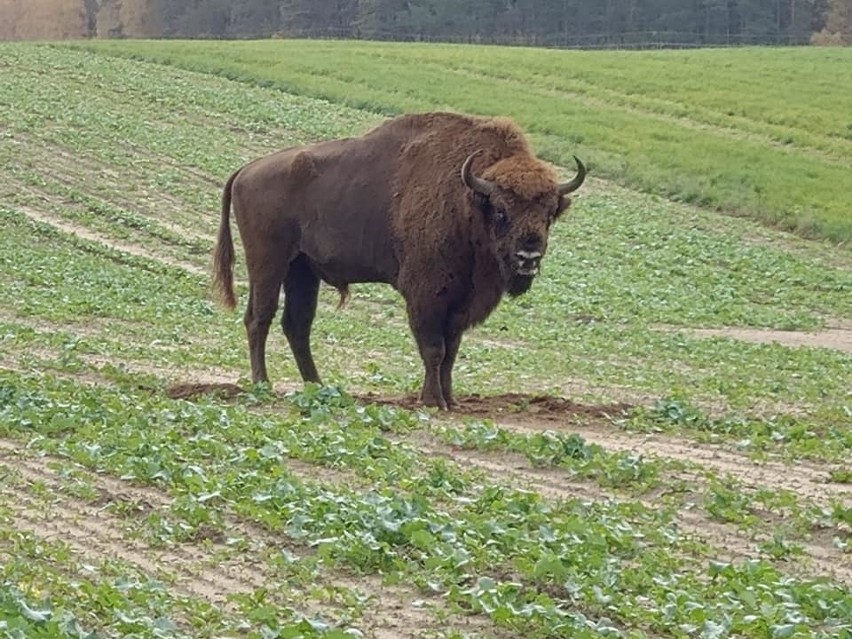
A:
(333, 502)
(761, 132)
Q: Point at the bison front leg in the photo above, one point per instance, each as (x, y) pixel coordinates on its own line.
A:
(452, 341)
(430, 341)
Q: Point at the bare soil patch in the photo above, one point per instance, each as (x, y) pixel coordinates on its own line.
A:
(191, 390)
(834, 337)
(520, 406)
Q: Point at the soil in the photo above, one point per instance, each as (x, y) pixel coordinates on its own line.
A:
(804, 478)
(530, 413)
(208, 568)
(93, 533)
(520, 406)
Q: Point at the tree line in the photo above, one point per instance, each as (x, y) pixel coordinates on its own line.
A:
(581, 23)
(573, 22)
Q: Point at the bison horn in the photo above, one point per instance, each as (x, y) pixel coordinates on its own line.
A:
(483, 187)
(569, 187)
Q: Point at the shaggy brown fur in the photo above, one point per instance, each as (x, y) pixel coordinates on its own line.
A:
(392, 206)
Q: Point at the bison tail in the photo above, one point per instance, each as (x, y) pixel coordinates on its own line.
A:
(344, 296)
(223, 255)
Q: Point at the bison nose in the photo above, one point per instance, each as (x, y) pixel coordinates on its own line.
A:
(528, 262)
(531, 243)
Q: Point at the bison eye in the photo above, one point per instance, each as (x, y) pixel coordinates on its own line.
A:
(500, 217)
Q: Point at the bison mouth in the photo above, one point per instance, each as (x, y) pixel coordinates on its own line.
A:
(527, 263)
(526, 271)
(518, 273)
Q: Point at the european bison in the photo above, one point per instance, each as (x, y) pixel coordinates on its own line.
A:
(452, 211)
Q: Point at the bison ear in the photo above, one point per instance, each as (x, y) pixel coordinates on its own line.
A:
(567, 188)
(564, 204)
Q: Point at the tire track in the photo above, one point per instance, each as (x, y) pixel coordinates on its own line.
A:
(817, 153)
(832, 338)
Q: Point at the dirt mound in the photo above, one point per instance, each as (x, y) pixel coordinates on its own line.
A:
(521, 405)
(197, 389)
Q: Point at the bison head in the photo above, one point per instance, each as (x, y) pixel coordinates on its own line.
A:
(520, 199)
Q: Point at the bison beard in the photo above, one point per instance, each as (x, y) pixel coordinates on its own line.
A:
(451, 210)
(519, 284)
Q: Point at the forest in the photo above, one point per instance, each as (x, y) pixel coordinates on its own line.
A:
(558, 23)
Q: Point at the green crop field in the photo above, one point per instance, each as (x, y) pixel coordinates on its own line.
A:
(653, 442)
(759, 132)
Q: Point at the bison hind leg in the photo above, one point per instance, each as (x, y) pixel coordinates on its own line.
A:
(264, 286)
(301, 289)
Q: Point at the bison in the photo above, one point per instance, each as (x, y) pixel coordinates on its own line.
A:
(451, 210)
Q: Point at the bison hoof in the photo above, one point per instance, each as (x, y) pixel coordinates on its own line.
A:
(434, 402)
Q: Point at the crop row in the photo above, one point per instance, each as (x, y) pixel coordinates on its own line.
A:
(527, 562)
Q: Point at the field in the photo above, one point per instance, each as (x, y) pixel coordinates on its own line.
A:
(760, 132)
(654, 442)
